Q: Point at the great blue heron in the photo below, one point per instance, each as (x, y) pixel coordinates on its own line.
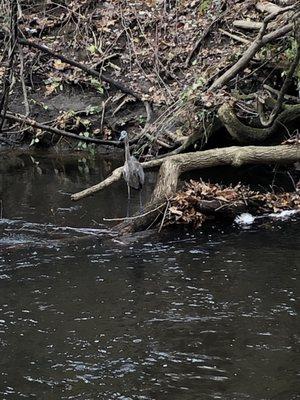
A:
(133, 172)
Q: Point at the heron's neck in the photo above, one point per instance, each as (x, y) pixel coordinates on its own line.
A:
(127, 151)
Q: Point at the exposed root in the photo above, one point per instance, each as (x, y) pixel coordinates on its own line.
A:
(247, 134)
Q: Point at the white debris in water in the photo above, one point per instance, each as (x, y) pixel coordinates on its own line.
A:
(244, 219)
(284, 214)
(248, 219)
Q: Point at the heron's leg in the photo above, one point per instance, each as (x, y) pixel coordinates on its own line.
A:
(141, 202)
(128, 201)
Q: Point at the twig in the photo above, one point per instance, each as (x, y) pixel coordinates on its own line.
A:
(288, 97)
(159, 141)
(235, 37)
(105, 58)
(126, 100)
(134, 217)
(202, 37)
(103, 113)
(26, 103)
(164, 216)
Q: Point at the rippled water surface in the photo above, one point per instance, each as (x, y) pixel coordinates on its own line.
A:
(170, 316)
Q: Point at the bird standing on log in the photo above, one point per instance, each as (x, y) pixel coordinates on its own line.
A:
(133, 172)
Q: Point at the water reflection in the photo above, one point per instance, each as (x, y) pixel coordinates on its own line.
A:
(203, 316)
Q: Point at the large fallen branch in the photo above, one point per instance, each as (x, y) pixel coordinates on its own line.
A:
(114, 177)
(174, 166)
(267, 6)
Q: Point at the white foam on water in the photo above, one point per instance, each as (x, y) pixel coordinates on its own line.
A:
(244, 219)
(248, 219)
(285, 214)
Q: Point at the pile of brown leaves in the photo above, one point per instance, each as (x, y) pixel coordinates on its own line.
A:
(190, 206)
(186, 205)
(272, 202)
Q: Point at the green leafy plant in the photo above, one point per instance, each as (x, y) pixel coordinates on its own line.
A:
(53, 84)
(97, 85)
(39, 103)
(90, 147)
(93, 49)
(141, 119)
(191, 90)
(83, 168)
(92, 110)
(290, 54)
(83, 145)
(204, 6)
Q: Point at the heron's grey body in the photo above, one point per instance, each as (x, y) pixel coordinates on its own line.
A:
(133, 172)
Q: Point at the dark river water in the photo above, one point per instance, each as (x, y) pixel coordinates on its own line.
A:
(170, 316)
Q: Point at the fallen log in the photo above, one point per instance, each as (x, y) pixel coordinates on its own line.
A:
(114, 177)
(247, 24)
(171, 168)
(267, 6)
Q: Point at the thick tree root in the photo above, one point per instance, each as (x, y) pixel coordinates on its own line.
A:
(247, 134)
